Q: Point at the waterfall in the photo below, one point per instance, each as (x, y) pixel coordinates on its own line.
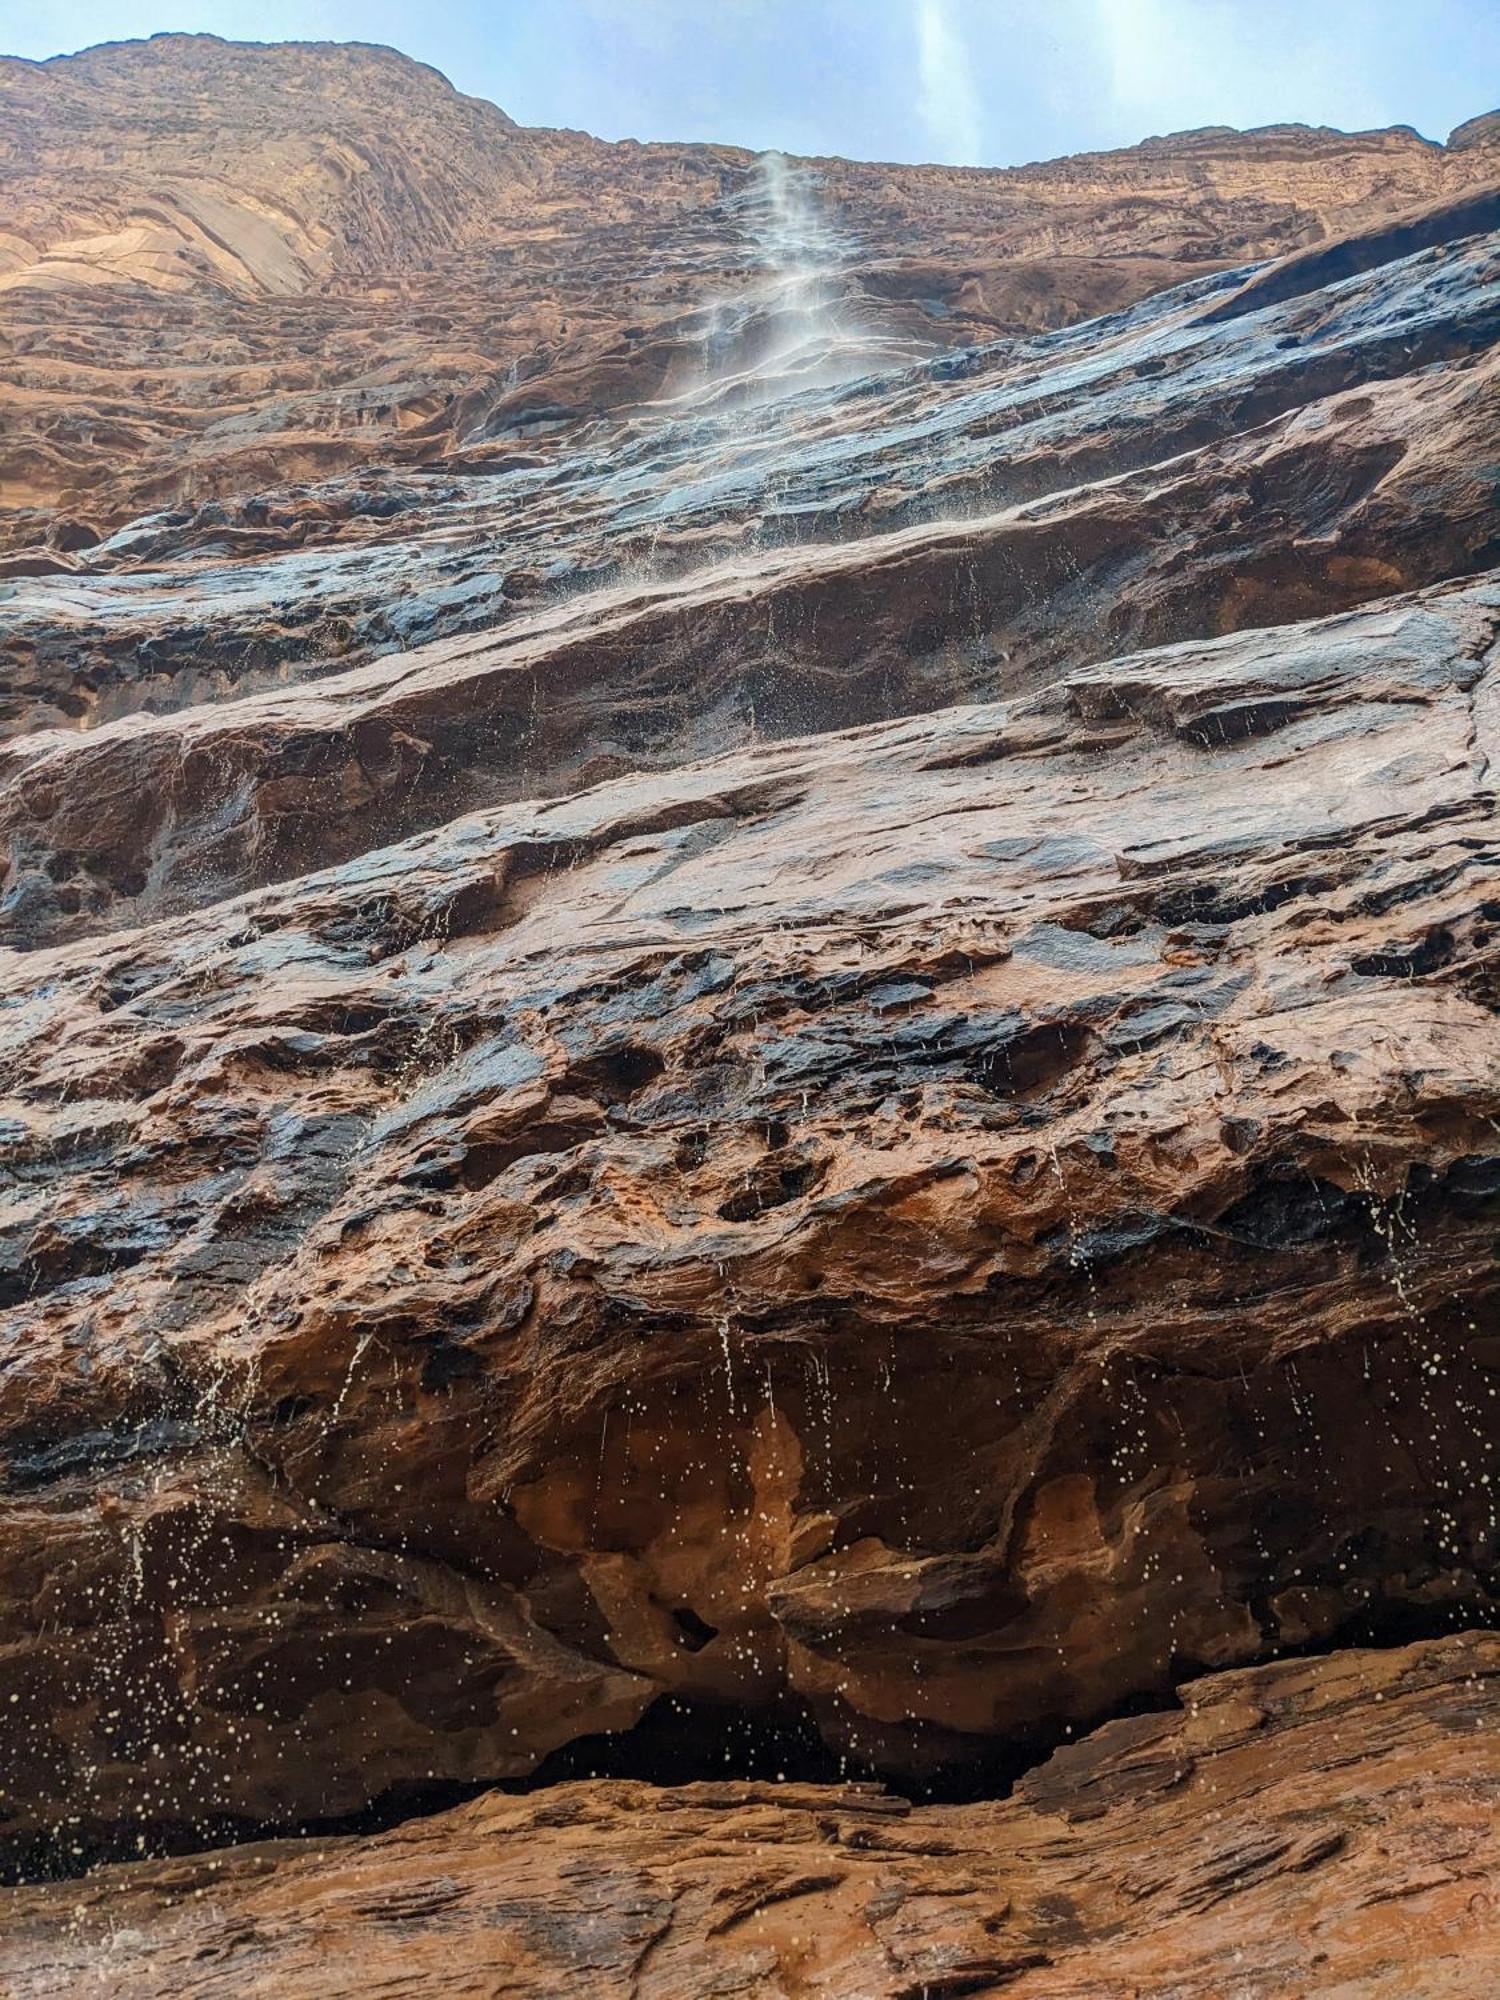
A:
(799, 325)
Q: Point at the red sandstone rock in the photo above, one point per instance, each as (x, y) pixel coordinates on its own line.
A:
(283, 262)
(463, 1296)
(1038, 513)
(1321, 1826)
(852, 1122)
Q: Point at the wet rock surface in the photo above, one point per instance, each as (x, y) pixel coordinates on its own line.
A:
(1316, 1826)
(221, 259)
(461, 1297)
(323, 333)
(1165, 472)
(931, 540)
(798, 1073)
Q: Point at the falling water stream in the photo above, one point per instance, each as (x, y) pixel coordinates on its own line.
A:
(800, 324)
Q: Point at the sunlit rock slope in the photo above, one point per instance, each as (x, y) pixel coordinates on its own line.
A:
(795, 1071)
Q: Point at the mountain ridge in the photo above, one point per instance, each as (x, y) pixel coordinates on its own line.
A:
(198, 226)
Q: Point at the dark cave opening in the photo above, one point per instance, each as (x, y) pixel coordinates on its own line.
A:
(680, 1742)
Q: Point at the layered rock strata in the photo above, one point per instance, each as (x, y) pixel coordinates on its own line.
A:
(227, 267)
(917, 540)
(461, 1297)
(849, 1128)
(1314, 1827)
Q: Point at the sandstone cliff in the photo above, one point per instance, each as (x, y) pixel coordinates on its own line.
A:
(761, 1047)
(226, 267)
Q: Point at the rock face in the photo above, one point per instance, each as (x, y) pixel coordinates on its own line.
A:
(228, 267)
(464, 1296)
(1318, 1826)
(848, 1128)
(966, 526)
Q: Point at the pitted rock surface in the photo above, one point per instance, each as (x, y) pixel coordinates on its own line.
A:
(462, 1296)
(1037, 514)
(749, 1017)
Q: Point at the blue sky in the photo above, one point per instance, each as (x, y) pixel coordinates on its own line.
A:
(989, 82)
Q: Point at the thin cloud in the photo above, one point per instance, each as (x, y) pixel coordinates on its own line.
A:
(1171, 63)
(947, 98)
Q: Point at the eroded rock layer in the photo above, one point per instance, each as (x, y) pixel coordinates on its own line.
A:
(1322, 1826)
(926, 536)
(463, 1296)
(788, 1060)
(227, 267)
